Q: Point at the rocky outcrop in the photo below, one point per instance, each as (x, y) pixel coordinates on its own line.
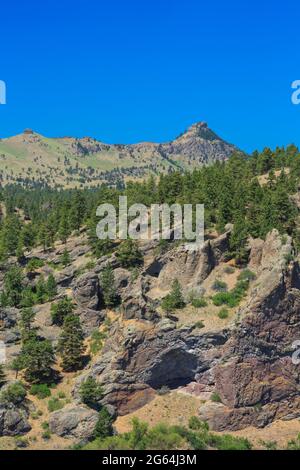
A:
(74, 422)
(87, 291)
(256, 380)
(13, 420)
(136, 362)
(190, 267)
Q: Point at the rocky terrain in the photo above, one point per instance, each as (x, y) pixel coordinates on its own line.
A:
(235, 371)
(30, 158)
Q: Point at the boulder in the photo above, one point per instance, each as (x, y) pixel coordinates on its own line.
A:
(74, 422)
(13, 420)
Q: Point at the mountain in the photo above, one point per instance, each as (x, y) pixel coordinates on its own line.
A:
(69, 162)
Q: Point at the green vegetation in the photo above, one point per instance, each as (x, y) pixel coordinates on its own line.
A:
(215, 397)
(14, 393)
(60, 310)
(55, 404)
(91, 393)
(223, 313)
(70, 344)
(164, 437)
(175, 299)
(40, 390)
(232, 298)
(199, 302)
(107, 282)
(129, 254)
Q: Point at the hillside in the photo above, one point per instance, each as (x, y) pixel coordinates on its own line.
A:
(97, 333)
(70, 162)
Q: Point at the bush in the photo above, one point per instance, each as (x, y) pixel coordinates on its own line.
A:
(229, 269)
(197, 425)
(246, 275)
(223, 313)
(14, 393)
(232, 298)
(219, 286)
(55, 404)
(33, 264)
(199, 324)
(199, 303)
(215, 397)
(228, 442)
(40, 390)
(97, 341)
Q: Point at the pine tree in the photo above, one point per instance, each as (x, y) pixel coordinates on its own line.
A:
(60, 310)
(44, 238)
(26, 325)
(129, 254)
(70, 344)
(77, 211)
(64, 228)
(107, 281)
(91, 393)
(13, 286)
(103, 426)
(51, 288)
(38, 359)
(175, 299)
(65, 258)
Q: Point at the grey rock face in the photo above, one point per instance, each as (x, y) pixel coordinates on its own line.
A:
(13, 420)
(87, 291)
(73, 421)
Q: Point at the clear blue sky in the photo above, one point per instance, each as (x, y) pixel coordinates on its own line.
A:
(126, 71)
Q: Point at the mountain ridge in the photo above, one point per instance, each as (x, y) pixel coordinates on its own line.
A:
(70, 161)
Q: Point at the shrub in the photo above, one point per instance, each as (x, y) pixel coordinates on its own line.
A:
(228, 442)
(55, 404)
(14, 393)
(197, 425)
(223, 313)
(40, 390)
(232, 298)
(199, 324)
(246, 275)
(215, 397)
(229, 269)
(219, 286)
(97, 341)
(33, 264)
(199, 303)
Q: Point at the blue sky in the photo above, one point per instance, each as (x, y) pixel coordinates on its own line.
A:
(126, 71)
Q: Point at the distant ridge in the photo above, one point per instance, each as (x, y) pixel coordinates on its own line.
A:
(30, 158)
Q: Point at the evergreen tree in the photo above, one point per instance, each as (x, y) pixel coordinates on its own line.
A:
(107, 281)
(70, 345)
(91, 393)
(129, 254)
(77, 211)
(175, 299)
(51, 288)
(60, 310)
(26, 325)
(64, 228)
(44, 238)
(65, 258)
(38, 359)
(104, 426)
(13, 286)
